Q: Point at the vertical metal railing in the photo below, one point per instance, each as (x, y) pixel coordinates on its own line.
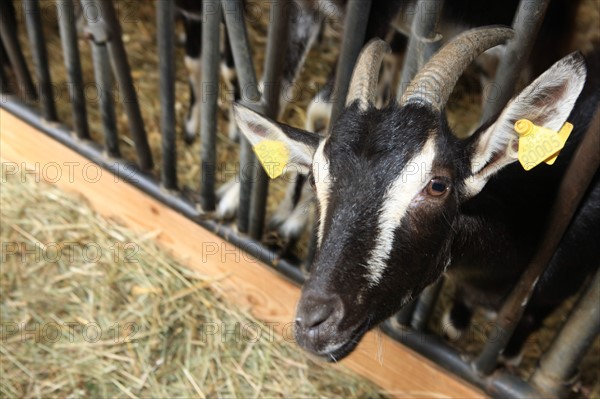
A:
(209, 94)
(404, 315)
(98, 37)
(276, 49)
(31, 9)
(425, 304)
(424, 41)
(3, 79)
(527, 22)
(8, 34)
(70, 47)
(557, 369)
(240, 47)
(122, 71)
(165, 23)
(357, 16)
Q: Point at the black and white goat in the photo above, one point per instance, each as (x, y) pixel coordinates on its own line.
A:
(402, 200)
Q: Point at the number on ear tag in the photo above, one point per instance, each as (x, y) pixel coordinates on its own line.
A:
(538, 144)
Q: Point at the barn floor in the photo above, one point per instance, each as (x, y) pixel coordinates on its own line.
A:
(96, 310)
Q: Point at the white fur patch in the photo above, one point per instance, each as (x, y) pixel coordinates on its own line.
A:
(194, 67)
(295, 224)
(292, 220)
(322, 182)
(233, 132)
(228, 75)
(399, 195)
(319, 109)
(229, 200)
(450, 331)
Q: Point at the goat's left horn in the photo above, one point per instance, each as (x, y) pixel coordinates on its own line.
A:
(435, 82)
(363, 86)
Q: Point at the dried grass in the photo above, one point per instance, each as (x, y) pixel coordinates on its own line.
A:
(154, 315)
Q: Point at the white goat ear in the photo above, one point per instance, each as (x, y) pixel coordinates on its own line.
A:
(257, 128)
(546, 102)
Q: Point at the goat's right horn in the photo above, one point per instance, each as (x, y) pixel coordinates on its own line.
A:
(363, 85)
(435, 82)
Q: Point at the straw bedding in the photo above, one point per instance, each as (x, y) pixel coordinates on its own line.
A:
(96, 310)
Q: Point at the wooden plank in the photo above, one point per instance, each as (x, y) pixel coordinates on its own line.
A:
(247, 282)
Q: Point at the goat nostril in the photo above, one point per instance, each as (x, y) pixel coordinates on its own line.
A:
(318, 316)
(317, 312)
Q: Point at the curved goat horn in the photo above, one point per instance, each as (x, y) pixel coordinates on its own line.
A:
(435, 82)
(363, 85)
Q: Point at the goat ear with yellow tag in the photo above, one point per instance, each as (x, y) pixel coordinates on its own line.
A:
(547, 102)
(538, 144)
(278, 147)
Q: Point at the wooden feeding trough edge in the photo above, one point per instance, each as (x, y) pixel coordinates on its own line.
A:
(247, 282)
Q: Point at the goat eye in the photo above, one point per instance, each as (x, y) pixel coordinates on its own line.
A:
(437, 187)
(311, 180)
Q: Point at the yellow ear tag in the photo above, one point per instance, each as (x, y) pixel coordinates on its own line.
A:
(273, 156)
(538, 144)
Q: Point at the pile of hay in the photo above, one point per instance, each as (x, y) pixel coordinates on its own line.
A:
(91, 309)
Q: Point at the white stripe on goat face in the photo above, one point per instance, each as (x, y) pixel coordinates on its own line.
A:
(398, 197)
(322, 182)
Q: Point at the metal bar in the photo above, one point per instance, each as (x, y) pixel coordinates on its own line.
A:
(276, 49)
(98, 35)
(580, 172)
(145, 182)
(70, 47)
(424, 40)
(122, 72)
(355, 28)
(104, 80)
(4, 87)
(8, 34)
(499, 385)
(405, 315)
(165, 21)
(244, 66)
(558, 366)
(211, 19)
(38, 44)
(527, 22)
(425, 305)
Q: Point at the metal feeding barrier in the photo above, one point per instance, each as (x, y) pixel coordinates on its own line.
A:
(556, 367)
